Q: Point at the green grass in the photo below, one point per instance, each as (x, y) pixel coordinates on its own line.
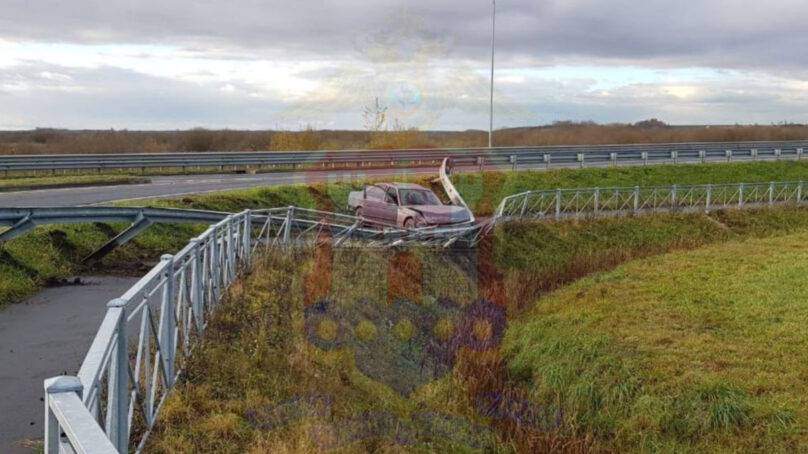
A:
(700, 351)
(484, 192)
(256, 353)
(19, 184)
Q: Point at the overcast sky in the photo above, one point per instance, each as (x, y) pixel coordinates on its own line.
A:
(254, 64)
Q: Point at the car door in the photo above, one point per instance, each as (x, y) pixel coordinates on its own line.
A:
(389, 211)
(374, 204)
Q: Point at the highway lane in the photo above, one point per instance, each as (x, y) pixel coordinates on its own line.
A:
(177, 186)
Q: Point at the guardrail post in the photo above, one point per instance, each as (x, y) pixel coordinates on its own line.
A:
(581, 158)
(740, 195)
(729, 155)
(636, 199)
(799, 153)
(558, 204)
(168, 316)
(644, 156)
(754, 153)
(777, 153)
(675, 156)
(547, 160)
(513, 162)
(613, 158)
(709, 195)
(771, 193)
(118, 393)
(597, 200)
(703, 156)
(57, 385)
(481, 162)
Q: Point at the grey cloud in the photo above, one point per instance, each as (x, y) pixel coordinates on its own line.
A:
(717, 33)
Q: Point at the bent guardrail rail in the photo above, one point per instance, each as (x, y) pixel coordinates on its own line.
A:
(560, 203)
(511, 157)
(22, 220)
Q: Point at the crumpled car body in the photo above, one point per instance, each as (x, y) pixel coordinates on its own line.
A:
(404, 205)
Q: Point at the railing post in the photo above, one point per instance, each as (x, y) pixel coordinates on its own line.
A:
(247, 239)
(799, 153)
(740, 195)
(547, 160)
(613, 158)
(644, 156)
(777, 153)
(168, 317)
(729, 155)
(118, 394)
(57, 385)
(709, 194)
(597, 200)
(196, 286)
(673, 198)
(558, 204)
(287, 230)
(754, 154)
(771, 193)
(513, 162)
(524, 206)
(636, 199)
(231, 251)
(215, 270)
(581, 157)
(703, 155)
(675, 156)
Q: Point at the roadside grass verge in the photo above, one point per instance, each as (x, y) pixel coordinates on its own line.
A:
(699, 351)
(22, 184)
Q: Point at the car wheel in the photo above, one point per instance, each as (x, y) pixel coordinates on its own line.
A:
(358, 214)
(409, 223)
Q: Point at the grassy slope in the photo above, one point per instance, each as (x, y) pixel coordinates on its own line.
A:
(12, 184)
(255, 353)
(701, 351)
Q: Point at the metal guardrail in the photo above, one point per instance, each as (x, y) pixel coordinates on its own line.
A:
(562, 203)
(502, 157)
(22, 220)
(141, 346)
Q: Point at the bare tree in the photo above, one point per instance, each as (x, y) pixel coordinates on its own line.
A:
(375, 116)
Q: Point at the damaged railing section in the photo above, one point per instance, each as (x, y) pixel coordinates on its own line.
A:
(140, 348)
(561, 203)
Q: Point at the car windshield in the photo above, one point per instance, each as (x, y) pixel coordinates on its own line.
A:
(418, 197)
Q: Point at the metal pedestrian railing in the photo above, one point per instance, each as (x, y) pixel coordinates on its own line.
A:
(560, 203)
(141, 346)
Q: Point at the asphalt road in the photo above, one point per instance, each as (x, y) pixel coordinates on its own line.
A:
(177, 186)
(48, 335)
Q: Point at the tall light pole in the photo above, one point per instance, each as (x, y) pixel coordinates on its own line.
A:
(491, 107)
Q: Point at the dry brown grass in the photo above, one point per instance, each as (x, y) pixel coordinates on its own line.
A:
(47, 141)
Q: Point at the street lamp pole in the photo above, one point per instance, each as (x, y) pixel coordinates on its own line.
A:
(491, 107)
